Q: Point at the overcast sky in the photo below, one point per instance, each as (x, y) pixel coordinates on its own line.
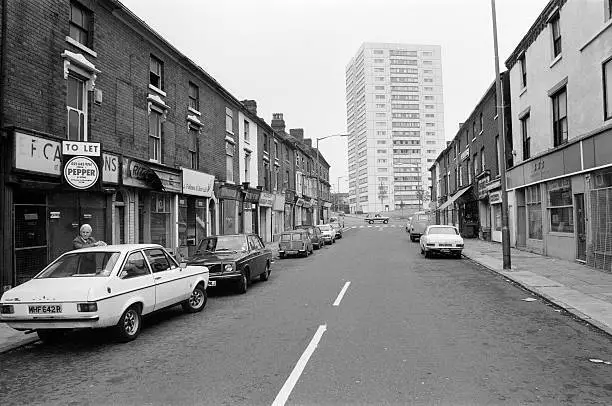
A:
(290, 55)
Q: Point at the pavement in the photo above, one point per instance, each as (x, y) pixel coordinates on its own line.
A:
(583, 291)
(579, 289)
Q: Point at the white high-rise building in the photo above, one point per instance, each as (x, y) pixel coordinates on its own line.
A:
(395, 118)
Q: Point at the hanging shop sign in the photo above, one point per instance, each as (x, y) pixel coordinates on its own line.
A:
(266, 199)
(307, 204)
(82, 163)
(327, 204)
(495, 197)
(299, 201)
(197, 183)
(252, 196)
(110, 168)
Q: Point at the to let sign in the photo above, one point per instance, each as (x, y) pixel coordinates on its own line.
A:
(81, 148)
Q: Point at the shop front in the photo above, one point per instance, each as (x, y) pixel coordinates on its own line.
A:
(193, 210)
(266, 204)
(229, 200)
(299, 209)
(496, 215)
(326, 208)
(307, 211)
(290, 208)
(278, 215)
(53, 189)
(250, 211)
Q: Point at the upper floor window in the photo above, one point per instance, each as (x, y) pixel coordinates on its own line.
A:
(525, 137)
(607, 81)
(265, 143)
(559, 101)
(247, 135)
(276, 150)
(523, 66)
(80, 24)
(229, 120)
(155, 136)
(156, 73)
(481, 127)
(76, 104)
(556, 35)
(247, 167)
(194, 148)
(194, 97)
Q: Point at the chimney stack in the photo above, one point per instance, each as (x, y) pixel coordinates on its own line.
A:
(461, 125)
(297, 133)
(251, 106)
(278, 123)
(308, 141)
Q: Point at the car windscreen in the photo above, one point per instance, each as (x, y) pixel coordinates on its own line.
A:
(443, 230)
(81, 264)
(423, 217)
(324, 227)
(223, 243)
(296, 237)
(285, 237)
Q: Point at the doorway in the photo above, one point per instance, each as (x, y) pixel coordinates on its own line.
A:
(580, 228)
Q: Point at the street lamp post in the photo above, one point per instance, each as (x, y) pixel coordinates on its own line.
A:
(502, 170)
(338, 191)
(318, 166)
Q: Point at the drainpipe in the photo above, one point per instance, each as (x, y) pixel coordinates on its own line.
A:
(4, 240)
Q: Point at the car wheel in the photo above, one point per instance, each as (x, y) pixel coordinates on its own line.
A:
(458, 255)
(386, 221)
(281, 255)
(129, 324)
(266, 275)
(50, 336)
(422, 252)
(370, 222)
(196, 301)
(244, 282)
(427, 254)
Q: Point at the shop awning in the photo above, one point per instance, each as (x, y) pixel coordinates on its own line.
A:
(152, 179)
(453, 198)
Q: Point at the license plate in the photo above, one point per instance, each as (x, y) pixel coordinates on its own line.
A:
(447, 251)
(292, 252)
(212, 283)
(44, 309)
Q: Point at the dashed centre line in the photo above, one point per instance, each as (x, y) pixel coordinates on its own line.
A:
(341, 294)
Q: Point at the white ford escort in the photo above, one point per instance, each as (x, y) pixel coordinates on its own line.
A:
(97, 287)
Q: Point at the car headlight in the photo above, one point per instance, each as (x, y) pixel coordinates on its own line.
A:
(87, 307)
(228, 267)
(430, 244)
(7, 309)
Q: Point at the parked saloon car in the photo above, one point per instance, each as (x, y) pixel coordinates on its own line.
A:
(338, 228)
(418, 224)
(315, 235)
(237, 258)
(328, 233)
(441, 239)
(296, 242)
(114, 285)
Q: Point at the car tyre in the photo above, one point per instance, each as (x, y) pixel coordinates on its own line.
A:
(386, 221)
(266, 275)
(370, 222)
(458, 255)
(129, 325)
(281, 256)
(243, 286)
(427, 254)
(422, 251)
(50, 336)
(197, 300)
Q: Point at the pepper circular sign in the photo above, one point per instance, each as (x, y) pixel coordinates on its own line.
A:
(81, 172)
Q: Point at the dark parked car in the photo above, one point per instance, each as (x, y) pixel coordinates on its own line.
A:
(237, 258)
(315, 235)
(296, 242)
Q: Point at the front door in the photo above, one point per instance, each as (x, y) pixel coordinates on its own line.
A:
(580, 227)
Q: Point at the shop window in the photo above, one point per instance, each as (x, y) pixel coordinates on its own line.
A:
(560, 208)
(161, 211)
(497, 213)
(533, 199)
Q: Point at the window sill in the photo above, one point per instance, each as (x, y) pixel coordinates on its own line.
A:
(229, 132)
(81, 46)
(157, 90)
(194, 111)
(230, 140)
(561, 234)
(556, 60)
(523, 90)
(248, 149)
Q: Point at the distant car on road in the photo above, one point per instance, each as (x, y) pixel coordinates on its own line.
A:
(236, 258)
(113, 285)
(296, 242)
(441, 239)
(418, 224)
(314, 233)
(338, 219)
(377, 218)
(328, 233)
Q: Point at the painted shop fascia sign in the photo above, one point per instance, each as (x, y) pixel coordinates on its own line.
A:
(139, 174)
(495, 197)
(266, 199)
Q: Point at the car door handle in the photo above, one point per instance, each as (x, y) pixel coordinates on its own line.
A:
(158, 278)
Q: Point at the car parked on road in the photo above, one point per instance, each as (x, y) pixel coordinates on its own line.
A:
(442, 240)
(418, 224)
(328, 233)
(296, 242)
(338, 219)
(113, 285)
(377, 218)
(314, 233)
(235, 258)
(337, 228)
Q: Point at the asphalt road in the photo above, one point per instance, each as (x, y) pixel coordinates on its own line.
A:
(406, 330)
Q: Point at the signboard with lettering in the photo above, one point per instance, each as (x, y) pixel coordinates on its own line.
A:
(81, 148)
(110, 168)
(266, 199)
(495, 197)
(252, 196)
(228, 193)
(139, 174)
(81, 172)
(197, 183)
(38, 154)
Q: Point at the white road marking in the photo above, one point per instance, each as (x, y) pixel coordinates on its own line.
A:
(341, 294)
(285, 391)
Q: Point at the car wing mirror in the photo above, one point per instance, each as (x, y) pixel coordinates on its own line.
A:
(183, 265)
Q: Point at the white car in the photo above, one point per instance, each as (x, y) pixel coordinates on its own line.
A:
(97, 287)
(441, 239)
(328, 233)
